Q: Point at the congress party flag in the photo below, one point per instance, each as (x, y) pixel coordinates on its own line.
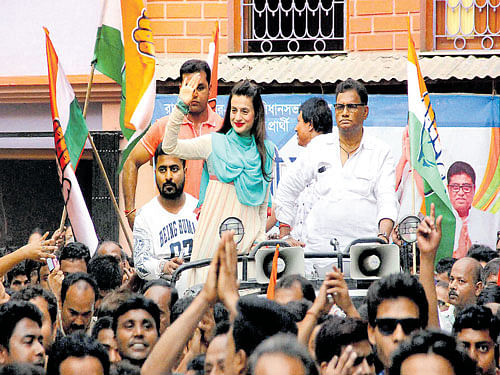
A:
(124, 51)
(488, 195)
(69, 128)
(426, 152)
(213, 62)
(69, 114)
(109, 54)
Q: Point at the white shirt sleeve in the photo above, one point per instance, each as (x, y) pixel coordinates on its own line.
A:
(146, 264)
(301, 173)
(188, 149)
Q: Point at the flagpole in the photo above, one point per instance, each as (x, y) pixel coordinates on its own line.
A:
(99, 162)
(414, 244)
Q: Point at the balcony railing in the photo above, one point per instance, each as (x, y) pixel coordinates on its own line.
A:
(466, 25)
(293, 26)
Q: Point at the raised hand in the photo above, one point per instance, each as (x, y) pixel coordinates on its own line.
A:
(337, 287)
(55, 281)
(342, 365)
(227, 284)
(39, 250)
(186, 92)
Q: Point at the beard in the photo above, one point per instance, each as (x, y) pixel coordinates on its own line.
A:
(171, 191)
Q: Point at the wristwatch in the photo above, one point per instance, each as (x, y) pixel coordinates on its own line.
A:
(162, 266)
(384, 235)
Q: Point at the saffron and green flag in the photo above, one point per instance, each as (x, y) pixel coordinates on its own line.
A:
(124, 51)
(70, 133)
(426, 152)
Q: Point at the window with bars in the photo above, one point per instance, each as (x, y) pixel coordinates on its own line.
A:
(466, 25)
(293, 26)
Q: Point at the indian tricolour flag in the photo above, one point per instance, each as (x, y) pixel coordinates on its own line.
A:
(124, 51)
(70, 132)
(426, 151)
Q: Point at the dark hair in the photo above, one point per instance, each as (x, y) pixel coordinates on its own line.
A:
(174, 294)
(222, 327)
(21, 369)
(73, 278)
(179, 307)
(221, 314)
(298, 308)
(197, 364)
(34, 291)
(351, 84)
(159, 151)
(106, 271)
(460, 167)
(478, 318)
(307, 286)
(491, 268)
(397, 285)
(124, 367)
(11, 313)
(433, 342)
(76, 345)
(75, 250)
(137, 302)
(106, 322)
(18, 269)
(481, 253)
(288, 345)
(252, 91)
(445, 265)
(318, 113)
(336, 333)
(31, 267)
(112, 300)
(195, 66)
(258, 319)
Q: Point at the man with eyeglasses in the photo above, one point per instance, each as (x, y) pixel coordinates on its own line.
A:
(472, 225)
(354, 178)
(397, 306)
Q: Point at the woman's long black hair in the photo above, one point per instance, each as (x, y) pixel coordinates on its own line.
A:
(251, 90)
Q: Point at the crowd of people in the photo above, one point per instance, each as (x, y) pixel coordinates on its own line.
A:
(67, 309)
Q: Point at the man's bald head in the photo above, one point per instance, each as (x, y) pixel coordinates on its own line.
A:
(465, 282)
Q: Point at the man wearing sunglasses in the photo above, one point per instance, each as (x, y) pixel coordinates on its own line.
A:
(345, 341)
(472, 224)
(397, 306)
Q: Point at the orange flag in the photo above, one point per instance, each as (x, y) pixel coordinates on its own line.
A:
(274, 274)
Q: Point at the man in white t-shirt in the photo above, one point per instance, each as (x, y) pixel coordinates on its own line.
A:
(164, 227)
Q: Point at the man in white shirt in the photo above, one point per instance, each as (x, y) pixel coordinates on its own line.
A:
(353, 176)
(315, 118)
(164, 227)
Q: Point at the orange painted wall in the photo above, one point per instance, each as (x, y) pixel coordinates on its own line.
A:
(186, 26)
(381, 25)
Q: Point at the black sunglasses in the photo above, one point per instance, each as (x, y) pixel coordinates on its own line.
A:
(370, 359)
(387, 326)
